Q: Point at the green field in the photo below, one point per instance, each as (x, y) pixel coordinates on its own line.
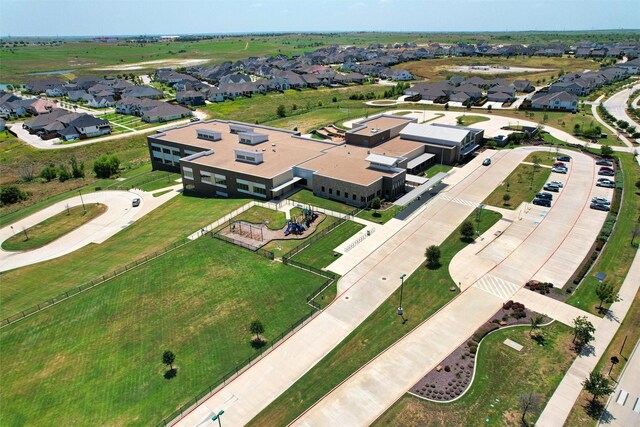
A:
(425, 292)
(307, 197)
(320, 254)
(502, 375)
(618, 254)
(258, 215)
(53, 228)
(465, 120)
(384, 215)
(147, 181)
(435, 169)
(105, 345)
(121, 123)
(520, 186)
(169, 223)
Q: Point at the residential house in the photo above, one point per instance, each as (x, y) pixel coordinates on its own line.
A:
(98, 101)
(190, 97)
(164, 112)
(523, 86)
(142, 92)
(555, 101)
(215, 94)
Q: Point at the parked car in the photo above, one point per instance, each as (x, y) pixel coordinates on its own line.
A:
(600, 200)
(195, 119)
(607, 183)
(486, 162)
(606, 172)
(553, 188)
(543, 195)
(556, 183)
(559, 170)
(542, 202)
(559, 164)
(606, 168)
(600, 207)
(603, 162)
(564, 159)
(135, 202)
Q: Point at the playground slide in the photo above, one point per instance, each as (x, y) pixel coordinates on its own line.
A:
(304, 227)
(288, 230)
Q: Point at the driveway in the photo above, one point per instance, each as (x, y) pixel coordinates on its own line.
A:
(119, 215)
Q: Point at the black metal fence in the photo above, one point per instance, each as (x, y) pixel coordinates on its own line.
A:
(315, 237)
(233, 373)
(263, 252)
(93, 283)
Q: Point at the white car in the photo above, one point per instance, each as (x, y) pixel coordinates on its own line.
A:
(559, 170)
(600, 200)
(556, 183)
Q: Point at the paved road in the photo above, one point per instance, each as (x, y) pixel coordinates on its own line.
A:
(119, 215)
(614, 132)
(626, 397)
(540, 235)
(617, 105)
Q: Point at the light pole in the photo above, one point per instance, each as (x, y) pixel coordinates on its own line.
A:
(83, 208)
(478, 215)
(400, 310)
(217, 417)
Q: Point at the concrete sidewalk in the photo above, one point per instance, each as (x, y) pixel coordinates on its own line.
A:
(565, 396)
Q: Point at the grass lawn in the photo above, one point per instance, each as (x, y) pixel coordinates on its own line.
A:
(435, 169)
(469, 120)
(385, 215)
(320, 117)
(96, 359)
(320, 254)
(518, 186)
(305, 196)
(545, 158)
(171, 222)
(258, 215)
(502, 373)
(161, 193)
(147, 181)
(53, 228)
(630, 331)
(618, 253)
(425, 291)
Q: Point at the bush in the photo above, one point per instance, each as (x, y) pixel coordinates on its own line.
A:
(483, 330)
(376, 214)
(77, 170)
(106, 166)
(281, 111)
(12, 194)
(376, 203)
(49, 173)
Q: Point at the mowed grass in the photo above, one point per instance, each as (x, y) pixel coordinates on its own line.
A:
(320, 117)
(259, 215)
(320, 254)
(96, 359)
(53, 228)
(519, 186)
(379, 216)
(502, 373)
(465, 120)
(618, 254)
(547, 158)
(169, 223)
(425, 291)
(435, 169)
(306, 197)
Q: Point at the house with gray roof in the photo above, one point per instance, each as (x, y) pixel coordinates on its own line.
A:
(165, 112)
(143, 92)
(555, 101)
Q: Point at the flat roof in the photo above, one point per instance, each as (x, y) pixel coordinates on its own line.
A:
(380, 122)
(382, 160)
(419, 160)
(434, 132)
(419, 191)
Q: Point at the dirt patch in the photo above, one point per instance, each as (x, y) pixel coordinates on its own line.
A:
(494, 69)
(160, 63)
(453, 376)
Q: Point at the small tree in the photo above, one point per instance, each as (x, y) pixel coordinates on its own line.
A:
(605, 150)
(49, 173)
(606, 293)
(105, 166)
(446, 106)
(256, 327)
(63, 173)
(376, 203)
(597, 385)
(489, 108)
(529, 402)
(535, 323)
(12, 194)
(77, 170)
(467, 231)
(281, 111)
(506, 197)
(433, 256)
(168, 358)
(582, 331)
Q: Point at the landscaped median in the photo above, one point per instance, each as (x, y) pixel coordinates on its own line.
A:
(425, 291)
(520, 186)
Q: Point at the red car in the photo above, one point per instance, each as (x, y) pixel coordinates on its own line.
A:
(605, 168)
(556, 164)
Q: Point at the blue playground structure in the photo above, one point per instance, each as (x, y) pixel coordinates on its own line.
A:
(300, 224)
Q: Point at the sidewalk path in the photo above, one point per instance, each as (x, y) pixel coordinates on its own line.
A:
(565, 396)
(594, 112)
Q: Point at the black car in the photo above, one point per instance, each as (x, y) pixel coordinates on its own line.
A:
(543, 195)
(553, 188)
(606, 172)
(603, 162)
(564, 159)
(135, 202)
(600, 207)
(486, 162)
(542, 202)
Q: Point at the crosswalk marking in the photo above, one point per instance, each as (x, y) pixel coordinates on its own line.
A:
(460, 201)
(497, 286)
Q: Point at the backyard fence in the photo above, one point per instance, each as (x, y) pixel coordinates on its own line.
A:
(93, 283)
(208, 391)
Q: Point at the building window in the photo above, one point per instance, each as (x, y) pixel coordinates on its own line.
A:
(354, 197)
(323, 188)
(205, 177)
(220, 180)
(330, 191)
(259, 190)
(154, 148)
(346, 195)
(244, 187)
(166, 150)
(187, 173)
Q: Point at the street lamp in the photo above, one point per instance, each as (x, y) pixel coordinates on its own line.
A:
(478, 215)
(400, 310)
(217, 417)
(83, 208)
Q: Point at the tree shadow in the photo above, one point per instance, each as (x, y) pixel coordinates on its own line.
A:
(584, 350)
(434, 265)
(608, 314)
(594, 409)
(258, 343)
(171, 373)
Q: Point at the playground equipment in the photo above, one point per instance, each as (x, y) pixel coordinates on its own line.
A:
(248, 230)
(300, 224)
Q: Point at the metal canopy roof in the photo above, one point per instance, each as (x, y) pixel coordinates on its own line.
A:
(419, 191)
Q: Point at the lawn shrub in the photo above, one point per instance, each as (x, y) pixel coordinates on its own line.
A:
(484, 330)
(585, 267)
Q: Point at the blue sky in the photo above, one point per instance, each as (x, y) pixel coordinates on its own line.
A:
(118, 17)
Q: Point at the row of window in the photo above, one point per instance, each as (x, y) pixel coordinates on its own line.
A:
(221, 181)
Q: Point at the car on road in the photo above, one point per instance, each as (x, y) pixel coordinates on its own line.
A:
(564, 159)
(195, 119)
(600, 207)
(486, 162)
(542, 202)
(606, 172)
(604, 182)
(135, 202)
(556, 183)
(603, 162)
(559, 170)
(600, 200)
(543, 195)
(553, 188)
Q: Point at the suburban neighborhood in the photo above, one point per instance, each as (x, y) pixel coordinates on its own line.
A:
(385, 215)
